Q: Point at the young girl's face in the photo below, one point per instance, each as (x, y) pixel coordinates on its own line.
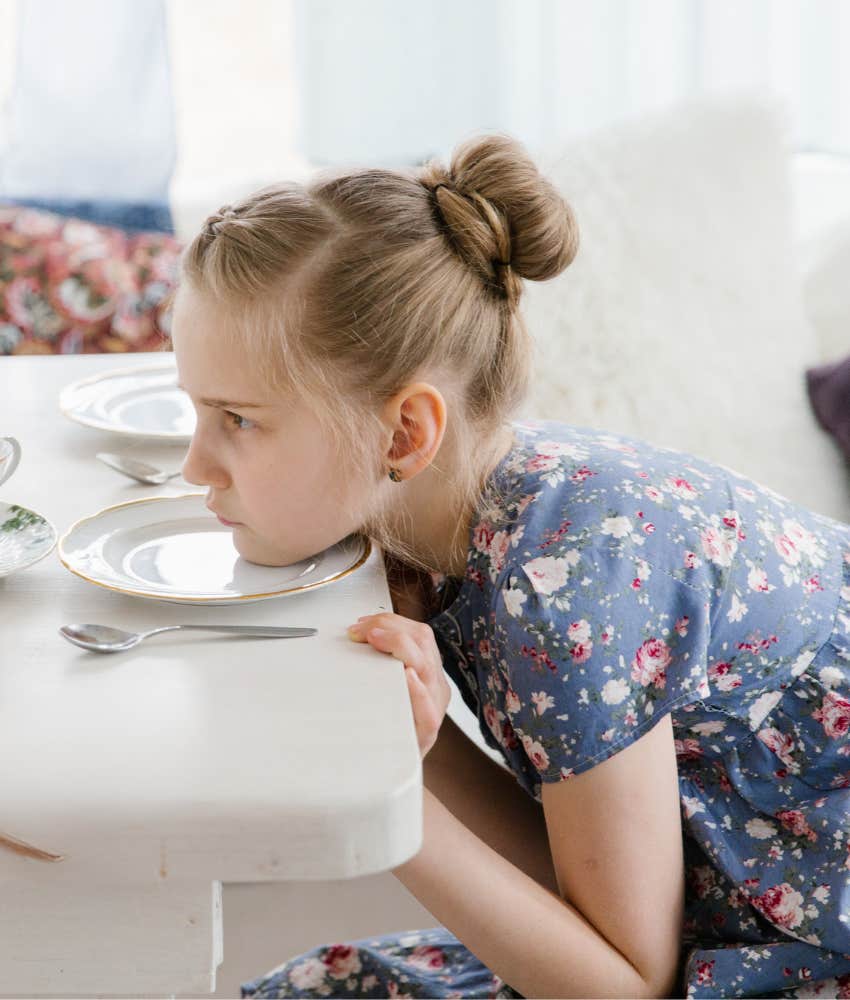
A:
(266, 461)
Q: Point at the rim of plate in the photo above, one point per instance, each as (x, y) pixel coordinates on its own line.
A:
(47, 551)
(112, 373)
(367, 549)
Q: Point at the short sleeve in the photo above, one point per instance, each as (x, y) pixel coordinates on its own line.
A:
(595, 649)
(448, 636)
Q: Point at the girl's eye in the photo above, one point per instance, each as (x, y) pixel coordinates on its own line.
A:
(240, 423)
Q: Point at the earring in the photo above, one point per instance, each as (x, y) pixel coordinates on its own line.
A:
(395, 475)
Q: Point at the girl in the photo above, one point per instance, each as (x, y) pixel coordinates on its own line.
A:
(658, 647)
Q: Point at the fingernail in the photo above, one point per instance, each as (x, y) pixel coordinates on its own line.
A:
(355, 630)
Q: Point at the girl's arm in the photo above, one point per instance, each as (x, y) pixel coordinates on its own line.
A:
(482, 795)
(488, 801)
(615, 835)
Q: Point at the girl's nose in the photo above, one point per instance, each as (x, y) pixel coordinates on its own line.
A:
(201, 468)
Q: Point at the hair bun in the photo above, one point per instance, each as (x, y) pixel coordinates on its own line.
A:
(504, 218)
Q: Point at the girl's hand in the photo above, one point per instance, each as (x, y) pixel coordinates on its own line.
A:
(414, 644)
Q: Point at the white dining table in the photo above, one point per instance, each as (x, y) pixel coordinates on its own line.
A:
(190, 760)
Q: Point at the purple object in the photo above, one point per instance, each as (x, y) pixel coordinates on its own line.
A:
(829, 393)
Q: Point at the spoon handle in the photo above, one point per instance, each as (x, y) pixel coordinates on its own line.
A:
(268, 631)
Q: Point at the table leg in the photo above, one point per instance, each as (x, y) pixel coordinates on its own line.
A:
(60, 939)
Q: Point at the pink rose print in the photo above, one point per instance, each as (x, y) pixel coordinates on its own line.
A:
(427, 957)
(780, 743)
(309, 974)
(834, 715)
(493, 717)
(540, 656)
(691, 560)
(795, 821)
(717, 547)
(581, 652)
(555, 536)
(721, 674)
(579, 631)
(787, 549)
(525, 500)
(650, 663)
(681, 488)
(342, 960)
(703, 880)
(688, 749)
(704, 973)
(498, 549)
(536, 754)
(736, 899)
(782, 905)
(508, 740)
(482, 537)
(581, 474)
(723, 779)
(542, 463)
(755, 643)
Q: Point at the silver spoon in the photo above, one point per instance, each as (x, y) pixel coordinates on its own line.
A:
(105, 639)
(135, 468)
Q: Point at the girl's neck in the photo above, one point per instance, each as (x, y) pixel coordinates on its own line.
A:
(438, 526)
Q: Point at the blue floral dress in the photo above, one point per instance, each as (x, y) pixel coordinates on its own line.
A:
(608, 584)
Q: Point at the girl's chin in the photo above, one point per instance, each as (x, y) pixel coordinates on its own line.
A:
(254, 551)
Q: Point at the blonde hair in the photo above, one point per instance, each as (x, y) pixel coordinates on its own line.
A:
(352, 286)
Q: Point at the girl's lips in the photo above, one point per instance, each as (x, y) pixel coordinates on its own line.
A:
(223, 520)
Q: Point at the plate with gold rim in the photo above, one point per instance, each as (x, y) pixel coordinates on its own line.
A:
(25, 537)
(142, 401)
(174, 549)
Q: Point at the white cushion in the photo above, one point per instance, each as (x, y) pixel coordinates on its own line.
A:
(826, 290)
(681, 320)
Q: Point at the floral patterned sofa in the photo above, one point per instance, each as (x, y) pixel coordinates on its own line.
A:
(68, 286)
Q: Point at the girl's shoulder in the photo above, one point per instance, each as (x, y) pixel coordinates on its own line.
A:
(565, 490)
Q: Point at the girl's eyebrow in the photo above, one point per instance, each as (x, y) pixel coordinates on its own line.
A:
(228, 404)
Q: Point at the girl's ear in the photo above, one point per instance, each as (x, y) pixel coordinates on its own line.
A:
(417, 417)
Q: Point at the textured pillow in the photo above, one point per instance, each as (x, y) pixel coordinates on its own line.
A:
(71, 287)
(681, 320)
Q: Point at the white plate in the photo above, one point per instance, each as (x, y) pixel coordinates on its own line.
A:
(139, 402)
(174, 549)
(25, 537)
